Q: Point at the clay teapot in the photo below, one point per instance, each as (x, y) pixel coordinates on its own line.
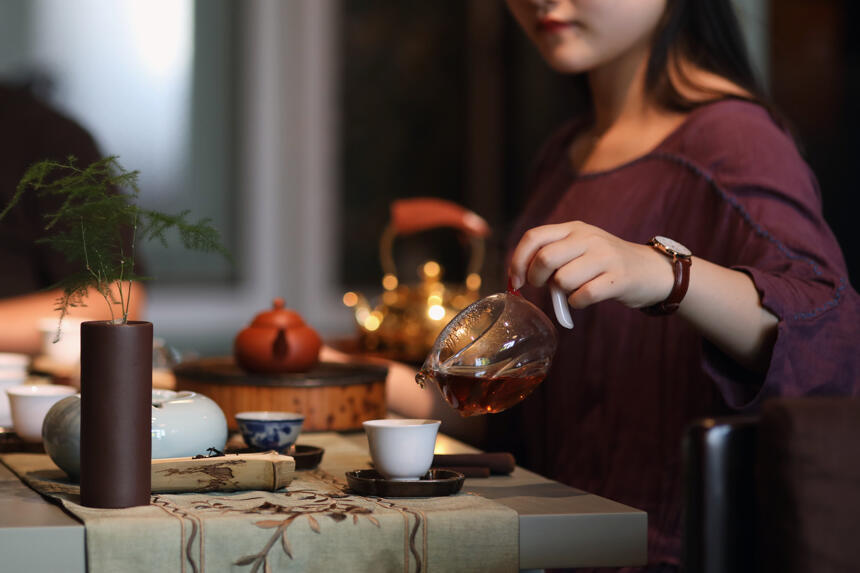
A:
(277, 341)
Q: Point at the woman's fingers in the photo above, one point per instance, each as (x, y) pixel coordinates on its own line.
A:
(551, 257)
(588, 279)
(532, 242)
(600, 288)
(591, 265)
(573, 274)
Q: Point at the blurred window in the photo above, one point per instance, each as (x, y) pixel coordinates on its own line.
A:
(151, 80)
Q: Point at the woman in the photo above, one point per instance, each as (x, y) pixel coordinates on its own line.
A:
(29, 270)
(678, 144)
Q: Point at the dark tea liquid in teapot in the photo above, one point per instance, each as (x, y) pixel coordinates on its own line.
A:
(472, 395)
(491, 355)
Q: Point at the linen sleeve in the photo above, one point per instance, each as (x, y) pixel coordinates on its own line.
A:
(767, 222)
(783, 243)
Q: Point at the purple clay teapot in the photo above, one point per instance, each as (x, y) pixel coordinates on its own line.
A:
(276, 342)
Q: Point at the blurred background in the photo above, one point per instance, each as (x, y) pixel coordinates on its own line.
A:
(293, 124)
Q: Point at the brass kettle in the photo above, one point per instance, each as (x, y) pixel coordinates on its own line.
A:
(406, 320)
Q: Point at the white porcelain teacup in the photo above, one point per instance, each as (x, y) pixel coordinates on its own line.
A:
(66, 351)
(402, 450)
(30, 403)
(13, 363)
(13, 372)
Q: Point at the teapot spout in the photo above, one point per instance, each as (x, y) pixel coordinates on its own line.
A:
(280, 347)
(423, 377)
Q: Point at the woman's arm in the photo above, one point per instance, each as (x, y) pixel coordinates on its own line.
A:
(593, 265)
(725, 307)
(405, 398)
(20, 316)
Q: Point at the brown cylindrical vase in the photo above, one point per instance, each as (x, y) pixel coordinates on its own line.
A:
(116, 413)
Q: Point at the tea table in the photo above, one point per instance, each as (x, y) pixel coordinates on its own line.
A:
(559, 526)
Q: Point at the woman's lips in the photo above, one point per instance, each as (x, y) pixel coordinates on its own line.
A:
(550, 25)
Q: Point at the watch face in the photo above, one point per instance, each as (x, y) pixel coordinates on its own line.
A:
(674, 247)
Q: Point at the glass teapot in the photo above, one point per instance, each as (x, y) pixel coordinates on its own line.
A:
(494, 353)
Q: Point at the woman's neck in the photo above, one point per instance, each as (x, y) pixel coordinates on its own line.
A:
(628, 123)
(618, 91)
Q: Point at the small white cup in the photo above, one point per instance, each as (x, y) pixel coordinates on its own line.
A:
(12, 363)
(67, 350)
(9, 377)
(402, 450)
(30, 403)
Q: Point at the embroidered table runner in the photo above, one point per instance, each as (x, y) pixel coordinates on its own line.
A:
(312, 525)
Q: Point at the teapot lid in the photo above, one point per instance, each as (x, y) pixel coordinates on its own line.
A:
(278, 317)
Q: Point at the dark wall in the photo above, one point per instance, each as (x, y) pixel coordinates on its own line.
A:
(445, 99)
(403, 119)
(815, 82)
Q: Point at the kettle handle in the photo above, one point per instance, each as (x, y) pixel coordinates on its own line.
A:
(423, 213)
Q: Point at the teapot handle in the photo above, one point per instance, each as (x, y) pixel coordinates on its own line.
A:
(559, 303)
(560, 306)
(418, 214)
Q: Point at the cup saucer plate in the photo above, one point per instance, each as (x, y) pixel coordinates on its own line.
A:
(436, 482)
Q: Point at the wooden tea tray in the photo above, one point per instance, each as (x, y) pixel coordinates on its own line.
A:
(332, 396)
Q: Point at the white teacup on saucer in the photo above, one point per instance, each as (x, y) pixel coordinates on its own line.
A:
(402, 450)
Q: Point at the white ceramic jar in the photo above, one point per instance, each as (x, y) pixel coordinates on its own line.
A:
(184, 424)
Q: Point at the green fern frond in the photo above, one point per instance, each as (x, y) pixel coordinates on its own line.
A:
(97, 211)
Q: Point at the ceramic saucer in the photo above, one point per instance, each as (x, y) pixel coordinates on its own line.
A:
(307, 457)
(436, 482)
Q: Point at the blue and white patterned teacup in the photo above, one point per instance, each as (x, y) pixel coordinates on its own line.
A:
(270, 430)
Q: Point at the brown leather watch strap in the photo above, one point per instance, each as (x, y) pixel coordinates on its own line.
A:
(681, 270)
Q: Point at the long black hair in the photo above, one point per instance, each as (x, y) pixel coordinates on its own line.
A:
(706, 34)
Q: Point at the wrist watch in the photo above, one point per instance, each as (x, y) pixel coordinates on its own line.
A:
(681, 262)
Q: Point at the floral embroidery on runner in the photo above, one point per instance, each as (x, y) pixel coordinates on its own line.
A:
(196, 522)
(333, 504)
(420, 518)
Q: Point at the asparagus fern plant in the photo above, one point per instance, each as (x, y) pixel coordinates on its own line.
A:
(98, 223)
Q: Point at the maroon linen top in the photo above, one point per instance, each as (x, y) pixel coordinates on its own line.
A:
(731, 186)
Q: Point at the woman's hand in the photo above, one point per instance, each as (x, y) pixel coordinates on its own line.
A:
(591, 265)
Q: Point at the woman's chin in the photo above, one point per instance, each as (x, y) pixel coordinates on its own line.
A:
(565, 66)
(567, 60)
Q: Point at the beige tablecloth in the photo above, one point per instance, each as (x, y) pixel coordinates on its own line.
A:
(313, 525)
